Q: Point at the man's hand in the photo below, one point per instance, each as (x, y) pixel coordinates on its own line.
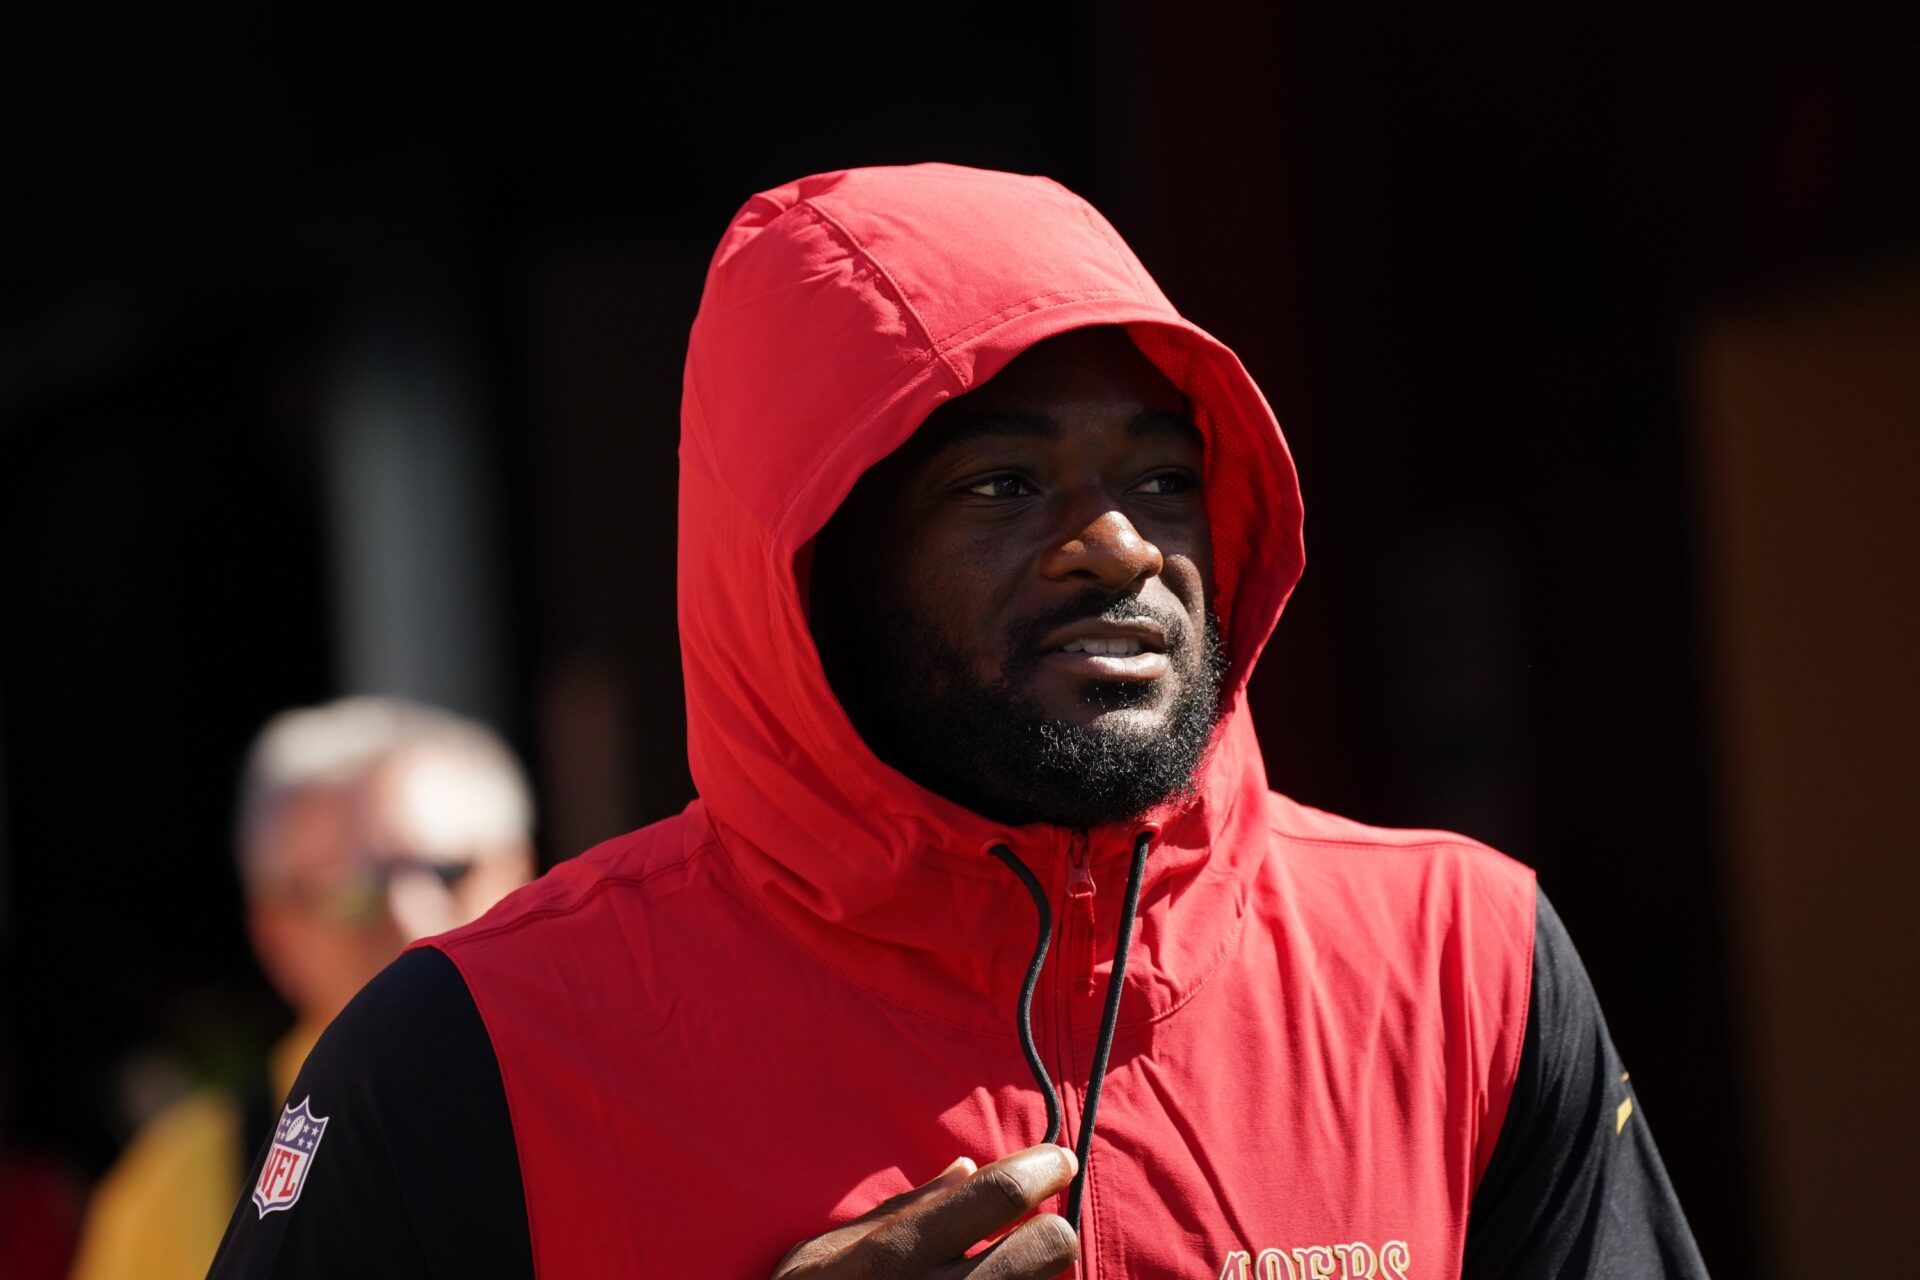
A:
(927, 1231)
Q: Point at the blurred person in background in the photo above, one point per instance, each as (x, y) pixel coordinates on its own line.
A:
(363, 824)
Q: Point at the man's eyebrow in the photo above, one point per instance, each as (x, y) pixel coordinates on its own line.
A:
(960, 427)
(1164, 422)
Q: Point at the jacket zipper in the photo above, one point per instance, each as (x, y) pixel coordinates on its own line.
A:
(1080, 902)
(1076, 939)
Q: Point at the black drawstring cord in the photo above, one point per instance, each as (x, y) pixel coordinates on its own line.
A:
(1039, 961)
(1109, 1019)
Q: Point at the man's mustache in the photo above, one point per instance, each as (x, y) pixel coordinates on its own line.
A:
(1097, 605)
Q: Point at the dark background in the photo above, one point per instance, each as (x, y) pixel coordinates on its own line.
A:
(1462, 252)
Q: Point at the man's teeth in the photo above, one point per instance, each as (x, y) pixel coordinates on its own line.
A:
(1108, 648)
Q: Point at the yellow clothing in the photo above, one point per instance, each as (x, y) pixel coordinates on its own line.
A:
(161, 1210)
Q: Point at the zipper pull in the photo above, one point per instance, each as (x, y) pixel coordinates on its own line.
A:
(1080, 899)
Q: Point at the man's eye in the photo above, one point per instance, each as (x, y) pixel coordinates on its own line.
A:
(1000, 486)
(1168, 483)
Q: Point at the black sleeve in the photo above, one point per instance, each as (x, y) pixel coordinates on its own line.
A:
(414, 1171)
(1575, 1186)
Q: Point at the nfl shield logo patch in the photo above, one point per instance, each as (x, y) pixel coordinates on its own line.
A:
(296, 1139)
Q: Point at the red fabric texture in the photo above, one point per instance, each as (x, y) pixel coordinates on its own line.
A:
(730, 1030)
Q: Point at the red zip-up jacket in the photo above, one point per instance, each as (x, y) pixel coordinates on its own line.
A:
(730, 1030)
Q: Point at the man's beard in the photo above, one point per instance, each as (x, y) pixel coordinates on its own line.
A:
(994, 751)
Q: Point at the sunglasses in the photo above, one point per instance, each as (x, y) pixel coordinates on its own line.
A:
(360, 899)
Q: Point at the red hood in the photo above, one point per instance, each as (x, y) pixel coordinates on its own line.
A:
(838, 312)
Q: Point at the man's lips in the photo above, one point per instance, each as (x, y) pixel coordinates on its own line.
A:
(1096, 649)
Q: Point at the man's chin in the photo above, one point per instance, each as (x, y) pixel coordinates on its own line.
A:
(1139, 724)
(1134, 706)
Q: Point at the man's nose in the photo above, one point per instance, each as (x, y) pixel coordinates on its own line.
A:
(1106, 550)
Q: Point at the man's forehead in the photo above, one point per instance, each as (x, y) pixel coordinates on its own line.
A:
(426, 799)
(1087, 374)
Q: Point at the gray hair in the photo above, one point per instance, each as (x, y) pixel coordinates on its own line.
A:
(337, 743)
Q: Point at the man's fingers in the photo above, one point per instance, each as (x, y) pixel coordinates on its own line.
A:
(1038, 1248)
(954, 1174)
(823, 1247)
(940, 1229)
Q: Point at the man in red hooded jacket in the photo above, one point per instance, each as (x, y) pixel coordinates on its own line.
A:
(979, 543)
